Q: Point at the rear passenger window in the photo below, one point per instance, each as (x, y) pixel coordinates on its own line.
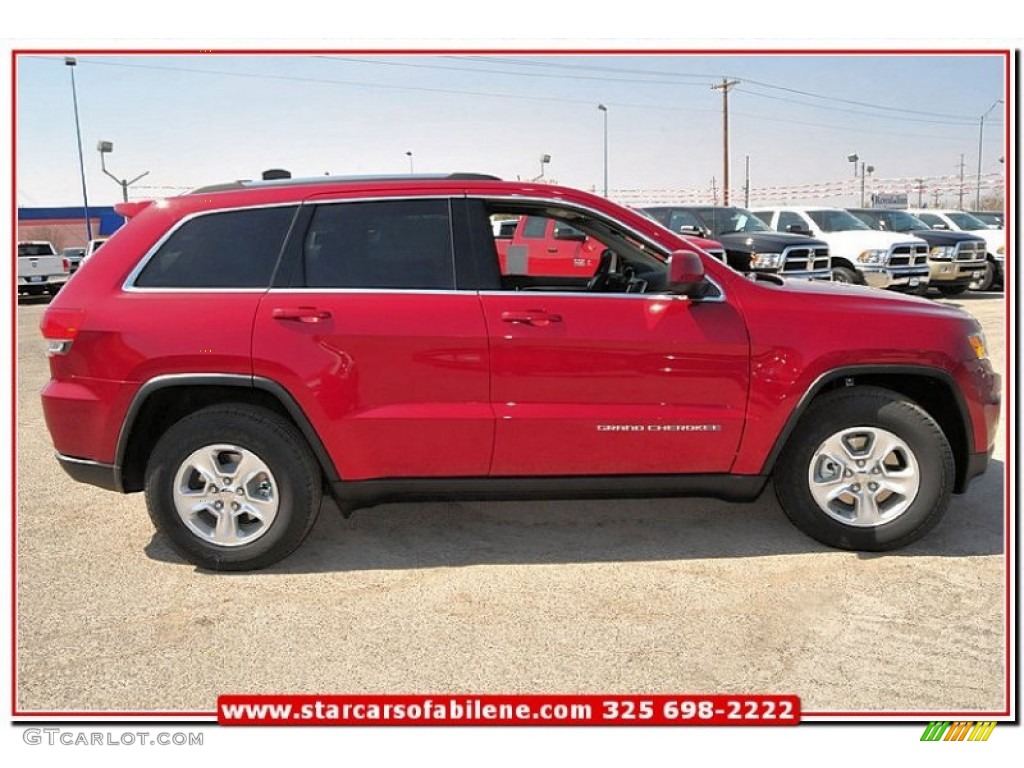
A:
(404, 244)
(234, 249)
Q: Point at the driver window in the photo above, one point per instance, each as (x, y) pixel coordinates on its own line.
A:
(554, 250)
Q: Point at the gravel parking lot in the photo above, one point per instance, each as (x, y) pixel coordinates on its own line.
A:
(614, 596)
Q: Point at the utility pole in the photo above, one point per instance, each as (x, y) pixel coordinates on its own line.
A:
(920, 193)
(935, 198)
(746, 183)
(724, 87)
(960, 199)
(981, 136)
(714, 190)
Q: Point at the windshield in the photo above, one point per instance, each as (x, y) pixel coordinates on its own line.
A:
(675, 219)
(965, 220)
(892, 221)
(836, 221)
(994, 220)
(722, 221)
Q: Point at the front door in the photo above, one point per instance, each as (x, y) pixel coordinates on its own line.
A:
(626, 380)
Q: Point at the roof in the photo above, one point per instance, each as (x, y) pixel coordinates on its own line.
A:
(303, 181)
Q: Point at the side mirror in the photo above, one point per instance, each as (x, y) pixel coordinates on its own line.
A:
(797, 229)
(685, 274)
(693, 229)
(939, 225)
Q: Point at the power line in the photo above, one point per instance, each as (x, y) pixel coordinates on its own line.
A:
(359, 84)
(501, 72)
(857, 111)
(452, 91)
(774, 86)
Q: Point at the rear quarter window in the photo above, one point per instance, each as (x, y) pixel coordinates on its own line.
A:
(232, 249)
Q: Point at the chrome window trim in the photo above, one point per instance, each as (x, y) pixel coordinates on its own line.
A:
(128, 285)
(601, 295)
(390, 291)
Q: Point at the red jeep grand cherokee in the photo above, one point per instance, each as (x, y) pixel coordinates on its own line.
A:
(237, 351)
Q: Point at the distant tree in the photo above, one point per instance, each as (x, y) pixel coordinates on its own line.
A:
(993, 202)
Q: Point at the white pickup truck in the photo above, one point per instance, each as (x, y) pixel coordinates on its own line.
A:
(859, 254)
(40, 268)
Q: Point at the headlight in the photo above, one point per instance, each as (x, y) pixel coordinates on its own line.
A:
(873, 256)
(1001, 250)
(977, 341)
(766, 260)
(942, 252)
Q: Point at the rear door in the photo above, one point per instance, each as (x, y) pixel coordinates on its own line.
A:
(368, 333)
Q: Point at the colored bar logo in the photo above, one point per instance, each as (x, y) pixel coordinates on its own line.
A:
(959, 731)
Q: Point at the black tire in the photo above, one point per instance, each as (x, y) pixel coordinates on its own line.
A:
(952, 290)
(852, 412)
(289, 481)
(987, 281)
(845, 275)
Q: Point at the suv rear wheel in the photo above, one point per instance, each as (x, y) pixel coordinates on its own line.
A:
(234, 487)
(865, 469)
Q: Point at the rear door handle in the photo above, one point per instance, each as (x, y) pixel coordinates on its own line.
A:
(535, 317)
(301, 314)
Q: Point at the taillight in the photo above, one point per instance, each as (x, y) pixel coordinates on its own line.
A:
(60, 327)
(67, 265)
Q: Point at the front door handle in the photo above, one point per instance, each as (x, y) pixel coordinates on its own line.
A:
(301, 314)
(535, 317)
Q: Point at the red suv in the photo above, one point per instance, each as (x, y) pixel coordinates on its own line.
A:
(238, 351)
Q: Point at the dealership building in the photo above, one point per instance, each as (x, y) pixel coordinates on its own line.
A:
(65, 227)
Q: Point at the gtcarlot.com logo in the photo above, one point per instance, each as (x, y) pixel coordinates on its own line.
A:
(69, 738)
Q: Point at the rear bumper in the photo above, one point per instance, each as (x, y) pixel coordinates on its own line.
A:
(106, 476)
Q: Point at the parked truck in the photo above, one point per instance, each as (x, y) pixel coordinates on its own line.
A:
(40, 268)
(859, 254)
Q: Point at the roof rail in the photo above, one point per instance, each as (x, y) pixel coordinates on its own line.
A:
(286, 182)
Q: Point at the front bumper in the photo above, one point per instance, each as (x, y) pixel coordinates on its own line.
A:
(976, 465)
(956, 272)
(894, 277)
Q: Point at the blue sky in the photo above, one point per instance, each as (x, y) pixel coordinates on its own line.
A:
(197, 119)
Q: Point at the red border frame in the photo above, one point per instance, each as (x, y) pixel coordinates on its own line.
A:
(1008, 375)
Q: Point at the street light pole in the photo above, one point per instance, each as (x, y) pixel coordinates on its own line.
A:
(855, 158)
(70, 61)
(108, 146)
(981, 136)
(604, 109)
(409, 155)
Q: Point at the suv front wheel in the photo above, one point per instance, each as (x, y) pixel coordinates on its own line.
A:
(865, 469)
(234, 487)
